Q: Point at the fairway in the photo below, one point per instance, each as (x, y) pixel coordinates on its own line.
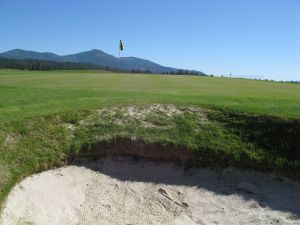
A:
(30, 93)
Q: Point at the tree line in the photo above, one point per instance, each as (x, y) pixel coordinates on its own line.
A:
(184, 72)
(31, 64)
(44, 65)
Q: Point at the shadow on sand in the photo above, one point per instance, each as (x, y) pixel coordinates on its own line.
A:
(268, 192)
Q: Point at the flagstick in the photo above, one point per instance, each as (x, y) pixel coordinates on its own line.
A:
(119, 60)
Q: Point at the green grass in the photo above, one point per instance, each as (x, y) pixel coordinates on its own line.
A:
(28, 94)
(47, 117)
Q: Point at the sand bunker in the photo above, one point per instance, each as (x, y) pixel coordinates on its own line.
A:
(125, 192)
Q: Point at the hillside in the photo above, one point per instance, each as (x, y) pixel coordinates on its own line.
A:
(95, 57)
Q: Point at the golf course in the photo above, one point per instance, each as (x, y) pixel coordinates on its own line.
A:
(149, 112)
(49, 119)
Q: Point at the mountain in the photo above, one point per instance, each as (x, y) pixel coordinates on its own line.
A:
(96, 57)
(22, 54)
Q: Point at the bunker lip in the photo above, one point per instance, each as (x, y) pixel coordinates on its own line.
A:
(138, 149)
(168, 152)
(120, 190)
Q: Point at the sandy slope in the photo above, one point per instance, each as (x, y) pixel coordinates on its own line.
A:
(122, 191)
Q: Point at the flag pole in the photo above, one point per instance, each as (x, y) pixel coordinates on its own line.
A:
(120, 49)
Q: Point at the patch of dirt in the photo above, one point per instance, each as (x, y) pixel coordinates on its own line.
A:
(139, 150)
(138, 114)
(11, 140)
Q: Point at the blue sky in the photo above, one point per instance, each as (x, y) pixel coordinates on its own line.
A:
(248, 37)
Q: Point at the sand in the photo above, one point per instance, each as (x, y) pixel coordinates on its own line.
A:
(127, 192)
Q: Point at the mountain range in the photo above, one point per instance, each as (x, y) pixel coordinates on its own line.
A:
(95, 57)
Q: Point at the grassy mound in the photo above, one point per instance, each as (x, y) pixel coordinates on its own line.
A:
(194, 136)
